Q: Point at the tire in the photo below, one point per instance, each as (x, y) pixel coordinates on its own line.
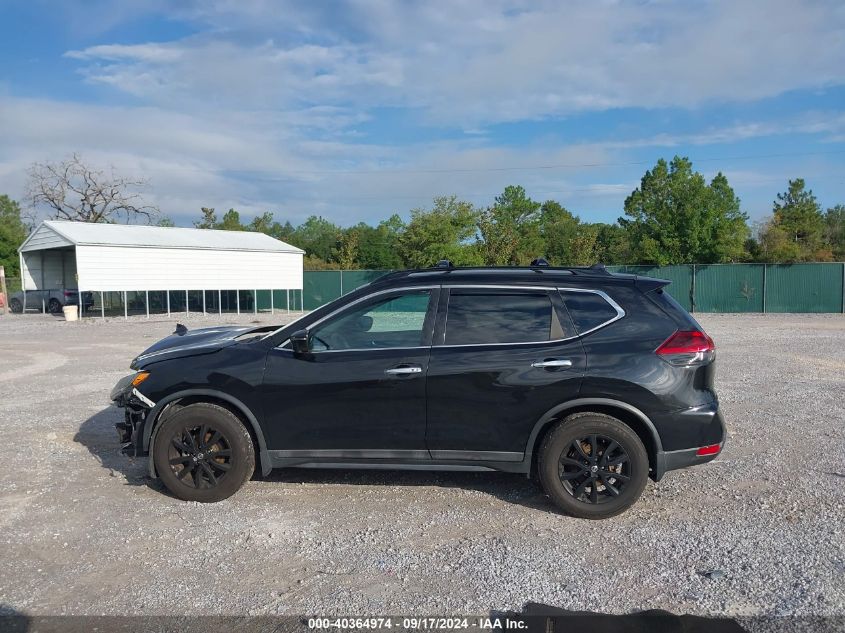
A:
(54, 306)
(587, 487)
(207, 472)
(16, 306)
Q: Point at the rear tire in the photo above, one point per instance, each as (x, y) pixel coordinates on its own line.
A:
(15, 306)
(593, 466)
(54, 306)
(203, 452)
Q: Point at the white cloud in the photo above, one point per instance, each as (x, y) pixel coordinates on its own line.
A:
(258, 110)
(473, 63)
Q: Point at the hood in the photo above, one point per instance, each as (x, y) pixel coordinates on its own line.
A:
(184, 342)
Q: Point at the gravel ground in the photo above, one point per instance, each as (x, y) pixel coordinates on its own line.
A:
(83, 531)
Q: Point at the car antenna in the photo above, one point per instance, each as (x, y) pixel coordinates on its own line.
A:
(180, 330)
(539, 262)
(444, 263)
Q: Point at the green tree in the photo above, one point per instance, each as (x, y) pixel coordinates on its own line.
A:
(612, 244)
(834, 219)
(231, 222)
(796, 230)
(558, 227)
(165, 221)
(346, 252)
(209, 219)
(262, 223)
(317, 237)
(675, 217)
(12, 234)
(510, 229)
(442, 233)
(378, 247)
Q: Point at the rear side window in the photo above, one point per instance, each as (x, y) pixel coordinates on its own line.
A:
(588, 310)
(482, 318)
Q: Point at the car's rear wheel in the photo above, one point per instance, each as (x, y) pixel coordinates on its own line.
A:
(16, 306)
(203, 452)
(593, 466)
(54, 306)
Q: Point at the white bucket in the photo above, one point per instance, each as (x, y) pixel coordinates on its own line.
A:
(71, 313)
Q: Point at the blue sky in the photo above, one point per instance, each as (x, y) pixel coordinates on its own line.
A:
(356, 110)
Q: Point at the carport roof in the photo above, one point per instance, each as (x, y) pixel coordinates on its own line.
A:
(91, 234)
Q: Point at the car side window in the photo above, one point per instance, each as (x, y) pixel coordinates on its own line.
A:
(588, 310)
(394, 321)
(483, 317)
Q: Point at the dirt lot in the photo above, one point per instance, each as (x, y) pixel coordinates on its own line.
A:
(83, 531)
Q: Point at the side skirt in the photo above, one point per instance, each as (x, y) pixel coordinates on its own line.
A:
(401, 460)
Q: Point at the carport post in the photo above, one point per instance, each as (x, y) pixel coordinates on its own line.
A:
(102, 307)
(147, 302)
(187, 307)
(168, 302)
(43, 302)
(288, 303)
(219, 302)
(272, 300)
(125, 307)
(203, 302)
(255, 302)
(238, 301)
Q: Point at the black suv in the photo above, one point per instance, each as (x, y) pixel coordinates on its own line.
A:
(589, 380)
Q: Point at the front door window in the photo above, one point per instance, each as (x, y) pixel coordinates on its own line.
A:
(389, 322)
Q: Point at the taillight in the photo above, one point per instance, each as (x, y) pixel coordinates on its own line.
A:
(687, 347)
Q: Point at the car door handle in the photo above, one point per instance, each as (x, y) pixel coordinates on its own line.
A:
(552, 362)
(400, 371)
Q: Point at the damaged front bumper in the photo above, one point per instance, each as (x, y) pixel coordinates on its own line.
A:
(136, 406)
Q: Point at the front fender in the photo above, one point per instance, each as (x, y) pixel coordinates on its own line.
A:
(151, 426)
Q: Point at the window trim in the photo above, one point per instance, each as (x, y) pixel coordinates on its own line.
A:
(620, 313)
(430, 312)
(438, 329)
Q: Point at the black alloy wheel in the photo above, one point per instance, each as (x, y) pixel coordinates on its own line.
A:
(200, 456)
(54, 306)
(592, 465)
(203, 452)
(15, 306)
(595, 469)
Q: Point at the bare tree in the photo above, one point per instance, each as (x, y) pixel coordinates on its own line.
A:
(72, 190)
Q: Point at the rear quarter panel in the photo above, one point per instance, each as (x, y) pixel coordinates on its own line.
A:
(621, 364)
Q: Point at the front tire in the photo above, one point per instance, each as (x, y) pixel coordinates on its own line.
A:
(593, 466)
(16, 306)
(203, 452)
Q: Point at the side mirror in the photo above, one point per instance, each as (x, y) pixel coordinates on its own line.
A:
(365, 322)
(299, 342)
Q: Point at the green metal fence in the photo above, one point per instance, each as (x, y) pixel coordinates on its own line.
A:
(699, 288)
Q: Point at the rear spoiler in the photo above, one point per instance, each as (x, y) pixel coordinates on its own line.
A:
(647, 284)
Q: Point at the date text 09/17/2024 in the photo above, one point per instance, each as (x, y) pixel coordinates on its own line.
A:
(417, 623)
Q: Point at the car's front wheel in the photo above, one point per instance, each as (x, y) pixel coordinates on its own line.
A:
(16, 306)
(593, 466)
(203, 452)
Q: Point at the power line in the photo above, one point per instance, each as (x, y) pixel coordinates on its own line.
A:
(505, 168)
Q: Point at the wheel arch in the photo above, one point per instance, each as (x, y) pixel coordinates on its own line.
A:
(223, 399)
(638, 421)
